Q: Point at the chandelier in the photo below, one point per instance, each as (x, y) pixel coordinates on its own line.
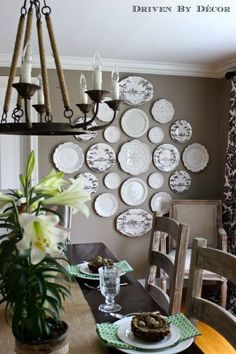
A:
(89, 99)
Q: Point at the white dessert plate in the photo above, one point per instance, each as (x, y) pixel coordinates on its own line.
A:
(156, 180)
(106, 205)
(156, 135)
(68, 157)
(112, 134)
(112, 180)
(163, 111)
(135, 122)
(161, 202)
(134, 191)
(105, 113)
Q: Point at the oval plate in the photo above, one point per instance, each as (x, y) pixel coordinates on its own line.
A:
(134, 222)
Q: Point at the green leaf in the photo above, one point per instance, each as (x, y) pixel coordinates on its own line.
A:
(30, 165)
(22, 180)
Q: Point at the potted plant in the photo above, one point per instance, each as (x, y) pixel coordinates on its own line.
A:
(33, 282)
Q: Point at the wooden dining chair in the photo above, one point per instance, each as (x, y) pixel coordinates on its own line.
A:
(205, 220)
(162, 268)
(197, 308)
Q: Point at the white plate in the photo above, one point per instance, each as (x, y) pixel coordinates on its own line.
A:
(181, 131)
(161, 202)
(180, 181)
(156, 135)
(135, 122)
(100, 157)
(176, 348)
(134, 157)
(134, 222)
(125, 333)
(106, 205)
(89, 134)
(163, 111)
(135, 90)
(68, 157)
(112, 180)
(134, 191)
(112, 134)
(105, 113)
(195, 157)
(83, 267)
(156, 180)
(90, 182)
(166, 157)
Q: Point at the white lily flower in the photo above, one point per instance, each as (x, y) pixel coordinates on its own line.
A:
(5, 199)
(74, 196)
(51, 184)
(41, 235)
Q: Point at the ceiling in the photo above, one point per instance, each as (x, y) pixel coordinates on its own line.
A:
(171, 42)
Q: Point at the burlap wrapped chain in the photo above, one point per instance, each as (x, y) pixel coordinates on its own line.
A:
(82, 327)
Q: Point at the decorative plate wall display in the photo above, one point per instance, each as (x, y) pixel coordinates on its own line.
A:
(90, 182)
(89, 135)
(180, 181)
(166, 157)
(134, 191)
(195, 157)
(112, 134)
(161, 202)
(163, 111)
(156, 135)
(105, 113)
(100, 157)
(134, 222)
(134, 157)
(181, 131)
(106, 205)
(112, 180)
(135, 90)
(135, 122)
(68, 157)
(156, 180)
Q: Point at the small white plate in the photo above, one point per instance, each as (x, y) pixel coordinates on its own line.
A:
(106, 205)
(156, 180)
(68, 157)
(112, 180)
(161, 202)
(135, 122)
(156, 135)
(134, 191)
(125, 333)
(112, 134)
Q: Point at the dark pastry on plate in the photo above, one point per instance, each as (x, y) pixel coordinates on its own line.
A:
(150, 326)
(99, 262)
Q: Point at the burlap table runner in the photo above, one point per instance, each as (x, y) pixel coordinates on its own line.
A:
(82, 327)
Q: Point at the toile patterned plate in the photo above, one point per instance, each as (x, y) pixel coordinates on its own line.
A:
(90, 182)
(180, 181)
(134, 222)
(89, 134)
(135, 90)
(100, 157)
(166, 157)
(181, 131)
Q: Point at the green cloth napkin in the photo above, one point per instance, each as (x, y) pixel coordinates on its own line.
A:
(108, 331)
(74, 270)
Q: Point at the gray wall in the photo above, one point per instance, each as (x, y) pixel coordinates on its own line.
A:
(202, 102)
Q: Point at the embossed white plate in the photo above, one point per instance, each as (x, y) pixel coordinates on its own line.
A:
(195, 157)
(163, 111)
(106, 205)
(135, 122)
(161, 202)
(135, 90)
(68, 157)
(134, 222)
(134, 191)
(100, 157)
(166, 157)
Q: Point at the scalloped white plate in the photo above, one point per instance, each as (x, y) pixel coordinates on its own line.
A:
(106, 205)
(68, 157)
(163, 111)
(195, 157)
(135, 122)
(134, 191)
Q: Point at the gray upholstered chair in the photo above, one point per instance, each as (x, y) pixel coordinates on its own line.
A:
(163, 267)
(197, 308)
(205, 220)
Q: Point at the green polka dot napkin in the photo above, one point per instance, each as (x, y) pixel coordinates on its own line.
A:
(108, 331)
(74, 270)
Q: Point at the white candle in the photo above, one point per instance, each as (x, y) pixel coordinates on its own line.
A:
(83, 88)
(26, 66)
(97, 72)
(115, 94)
(40, 91)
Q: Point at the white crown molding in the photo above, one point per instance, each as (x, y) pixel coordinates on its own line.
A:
(125, 66)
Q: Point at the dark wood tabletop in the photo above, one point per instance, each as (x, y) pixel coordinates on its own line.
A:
(132, 298)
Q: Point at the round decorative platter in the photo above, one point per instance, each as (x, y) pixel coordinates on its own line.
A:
(134, 191)
(134, 222)
(163, 111)
(90, 182)
(135, 90)
(105, 113)
(135, 122)
(180, 181)
(156, 135)
(161, 202)
(100, 157)
(112, 134)
(106, 205)
(195, 157)
(112, 180)
(134, 157)
(181, 131)
(166, 157)
(156, 180)
(89, 135)
(68, 157)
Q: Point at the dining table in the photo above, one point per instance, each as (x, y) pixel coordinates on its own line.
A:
(133, 297)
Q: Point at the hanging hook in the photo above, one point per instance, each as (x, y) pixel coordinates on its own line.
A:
(23, 10)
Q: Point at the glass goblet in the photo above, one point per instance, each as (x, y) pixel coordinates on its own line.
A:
(109, 286)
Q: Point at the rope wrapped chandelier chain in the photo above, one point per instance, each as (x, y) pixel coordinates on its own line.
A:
(21, 115)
